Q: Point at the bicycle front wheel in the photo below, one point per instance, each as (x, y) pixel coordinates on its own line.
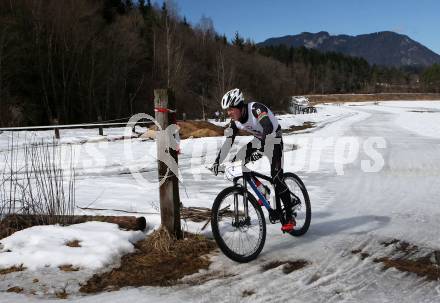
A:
(238, 225)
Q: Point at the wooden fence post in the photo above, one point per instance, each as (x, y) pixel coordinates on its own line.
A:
(169, 187)
(101, 131)
(57, 130)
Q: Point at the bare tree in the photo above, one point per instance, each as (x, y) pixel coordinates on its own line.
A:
(174, 50)
(3, 58)
(224, 73)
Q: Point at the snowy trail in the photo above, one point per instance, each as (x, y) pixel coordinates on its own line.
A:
(356, 210)
(399, 201)
(406, 189)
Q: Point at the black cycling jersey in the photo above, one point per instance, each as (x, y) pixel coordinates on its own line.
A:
(256, 119)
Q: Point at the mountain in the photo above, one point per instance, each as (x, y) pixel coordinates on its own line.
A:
(381, 48)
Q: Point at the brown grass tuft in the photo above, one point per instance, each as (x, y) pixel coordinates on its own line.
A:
(73, 243)
(68, 268)
(247, 293)
(15, 289)
(294, 265)
(403, 259)
(271, 265)
(294, 128)
(363, 255)
(12, 269)
(288, 266)
(160, 241)
(160, 260)
(62, 294)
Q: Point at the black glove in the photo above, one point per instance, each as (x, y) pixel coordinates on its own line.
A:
(214, 168)
(254, 156)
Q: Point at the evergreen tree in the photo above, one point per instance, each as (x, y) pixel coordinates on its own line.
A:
(185, 22)
(142, 8)
(431, 78)
(238, 41)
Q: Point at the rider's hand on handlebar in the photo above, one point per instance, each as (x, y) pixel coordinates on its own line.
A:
(215, 167)
(254, 156)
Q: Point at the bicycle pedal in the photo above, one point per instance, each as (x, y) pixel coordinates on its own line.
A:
(288, 227)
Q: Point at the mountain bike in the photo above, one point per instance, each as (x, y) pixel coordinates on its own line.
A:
(237, 220)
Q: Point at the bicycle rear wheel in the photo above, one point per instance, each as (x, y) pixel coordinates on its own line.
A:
(240, 237)
(303, 210)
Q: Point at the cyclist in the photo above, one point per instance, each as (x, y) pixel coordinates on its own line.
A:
(259, 120)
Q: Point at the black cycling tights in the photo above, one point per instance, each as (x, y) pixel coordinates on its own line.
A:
(276, 168)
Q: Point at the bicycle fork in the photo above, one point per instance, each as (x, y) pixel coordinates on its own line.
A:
(246, 219)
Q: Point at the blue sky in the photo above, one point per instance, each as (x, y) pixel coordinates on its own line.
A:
(261, 19)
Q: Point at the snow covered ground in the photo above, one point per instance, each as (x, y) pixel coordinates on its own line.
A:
(99, 244)
(372, 171)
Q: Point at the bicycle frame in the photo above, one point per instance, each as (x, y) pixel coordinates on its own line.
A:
(248, 178)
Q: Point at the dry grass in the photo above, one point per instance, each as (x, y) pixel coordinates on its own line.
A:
(291, 266)
(294, 128)
(201, 133)
(363, 255)
(9, 225)
(199, 129)
(12, 269)
(68, 268)
(288, 266)
(195, 129)
(423, 267)
(36, 180)
(160, 241)
(73, 243)
(160, 260)
(195, 214)
(403, 259)
(247, 293)
(15, 289)
(406, 257)
(62, 294)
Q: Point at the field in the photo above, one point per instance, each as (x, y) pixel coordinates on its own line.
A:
(372, 171)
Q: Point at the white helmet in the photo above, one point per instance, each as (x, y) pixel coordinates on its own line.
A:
(232, 98)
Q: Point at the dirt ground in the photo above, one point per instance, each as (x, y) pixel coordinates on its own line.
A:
(340, 98)
(194, 129)
(199, 129)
